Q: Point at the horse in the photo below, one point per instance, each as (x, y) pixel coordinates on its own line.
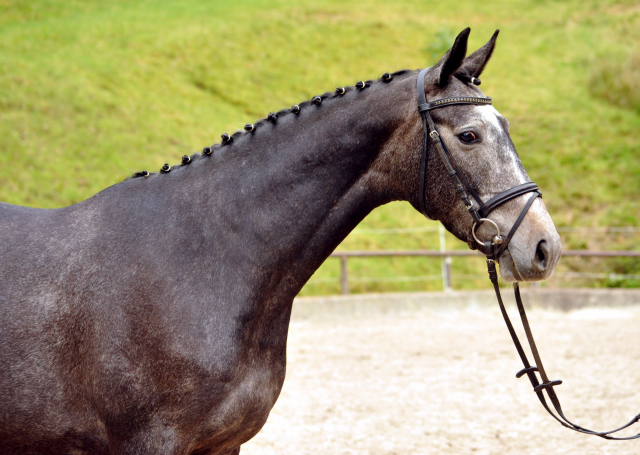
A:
(152, 318)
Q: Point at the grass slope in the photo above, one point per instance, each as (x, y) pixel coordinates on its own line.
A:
(91, 91)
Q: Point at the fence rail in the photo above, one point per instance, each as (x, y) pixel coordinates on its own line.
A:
(447, 255)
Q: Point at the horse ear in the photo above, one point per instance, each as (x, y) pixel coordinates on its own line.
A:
(453, 58)
(474, 64)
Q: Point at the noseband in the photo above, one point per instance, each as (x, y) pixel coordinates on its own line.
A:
(495, 247)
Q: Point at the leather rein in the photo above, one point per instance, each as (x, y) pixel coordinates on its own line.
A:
(493, 248)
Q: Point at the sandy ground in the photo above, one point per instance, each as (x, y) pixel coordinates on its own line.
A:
(435, 381)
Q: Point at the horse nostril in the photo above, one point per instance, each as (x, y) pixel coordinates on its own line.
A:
(540, 259)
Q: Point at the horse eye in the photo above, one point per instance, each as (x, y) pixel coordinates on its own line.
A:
(467, 136)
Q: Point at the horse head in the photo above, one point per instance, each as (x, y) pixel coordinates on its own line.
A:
(480, 148)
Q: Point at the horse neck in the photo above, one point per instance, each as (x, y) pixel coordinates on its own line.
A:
(282, 198)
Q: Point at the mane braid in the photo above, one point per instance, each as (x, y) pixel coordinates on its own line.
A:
(386, 79)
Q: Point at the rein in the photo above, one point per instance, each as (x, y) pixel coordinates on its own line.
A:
(495, 247)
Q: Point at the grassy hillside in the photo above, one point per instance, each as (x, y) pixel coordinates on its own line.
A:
(91, 91)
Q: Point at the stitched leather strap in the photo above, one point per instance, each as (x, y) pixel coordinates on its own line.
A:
(505, 196)
(424, 106)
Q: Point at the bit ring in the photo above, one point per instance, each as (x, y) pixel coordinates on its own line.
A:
(473, 231)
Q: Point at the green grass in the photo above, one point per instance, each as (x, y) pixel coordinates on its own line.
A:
(618, 81)
(93, 90)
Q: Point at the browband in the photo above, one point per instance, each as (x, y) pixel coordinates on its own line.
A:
(450, 101)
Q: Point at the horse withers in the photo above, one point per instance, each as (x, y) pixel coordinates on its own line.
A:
(152, 318)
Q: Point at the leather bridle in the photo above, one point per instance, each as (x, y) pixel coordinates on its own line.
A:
(495, 247)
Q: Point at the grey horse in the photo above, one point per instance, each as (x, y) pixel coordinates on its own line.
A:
(152, 318)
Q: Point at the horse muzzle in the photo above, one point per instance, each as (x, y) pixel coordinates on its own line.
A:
(535, 249)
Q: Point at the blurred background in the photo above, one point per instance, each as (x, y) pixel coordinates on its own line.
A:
(92, 91)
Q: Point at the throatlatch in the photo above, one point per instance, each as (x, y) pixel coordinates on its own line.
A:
(495, 247)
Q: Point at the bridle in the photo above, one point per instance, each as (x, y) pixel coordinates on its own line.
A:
(495, 247)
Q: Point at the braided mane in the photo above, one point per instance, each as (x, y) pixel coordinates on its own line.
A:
(250, 128)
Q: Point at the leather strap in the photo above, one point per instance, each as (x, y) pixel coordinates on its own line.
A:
(505, 196)
(494, 250)
(463, 187)
(425, 146)
(424, 106)
(505, 242)
(546, 384)
(459, 179)
(422, 97)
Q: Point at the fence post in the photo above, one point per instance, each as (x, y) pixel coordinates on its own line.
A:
(344, 274)
(446, 260)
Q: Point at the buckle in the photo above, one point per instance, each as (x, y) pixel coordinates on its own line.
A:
(434, 135)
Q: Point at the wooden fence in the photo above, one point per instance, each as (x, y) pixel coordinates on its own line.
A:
(447, 255)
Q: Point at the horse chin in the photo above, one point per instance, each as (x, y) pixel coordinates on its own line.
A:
(515, 268)
(508, 270)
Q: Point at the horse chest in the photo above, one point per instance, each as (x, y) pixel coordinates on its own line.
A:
(238, 406)
(214, 396)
